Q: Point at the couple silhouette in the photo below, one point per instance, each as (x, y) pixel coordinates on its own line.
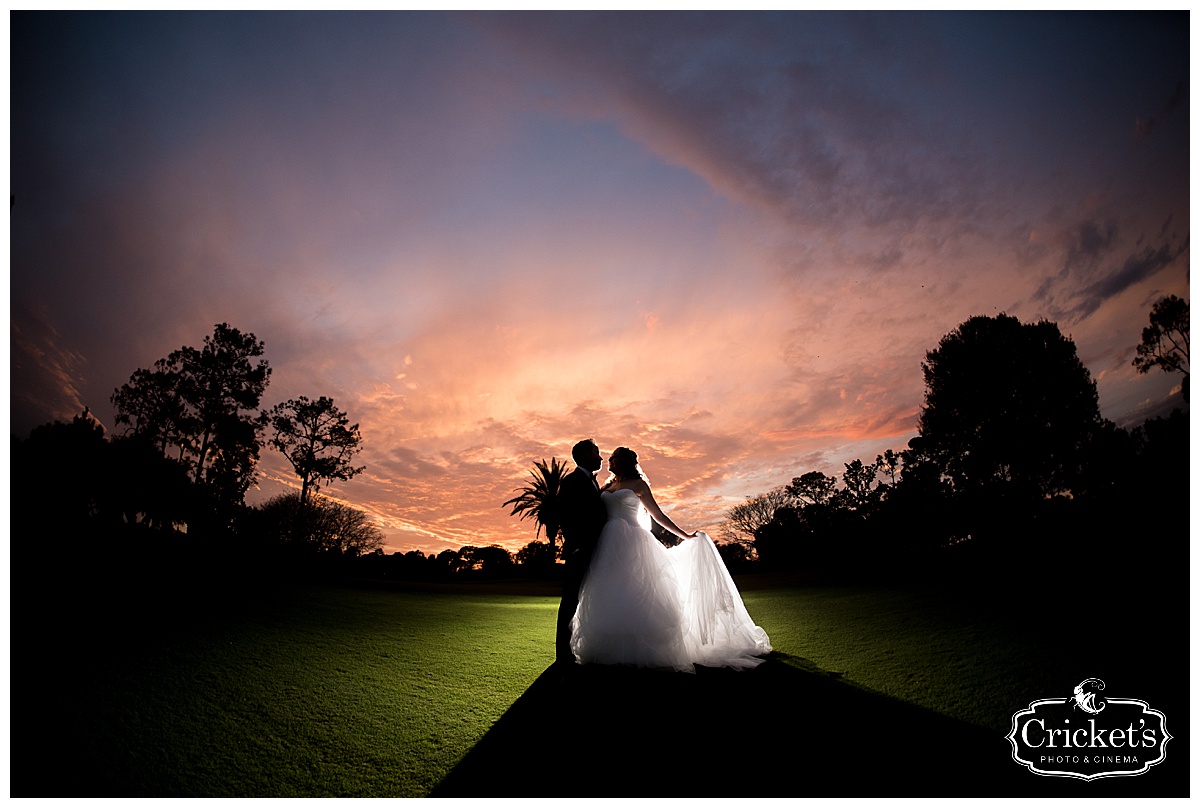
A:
(628, 599)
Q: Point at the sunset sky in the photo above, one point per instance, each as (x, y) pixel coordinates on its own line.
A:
(724, 240)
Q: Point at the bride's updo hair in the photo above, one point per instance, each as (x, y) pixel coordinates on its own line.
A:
(624, 464)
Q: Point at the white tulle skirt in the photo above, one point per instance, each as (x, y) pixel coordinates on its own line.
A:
(651, 606)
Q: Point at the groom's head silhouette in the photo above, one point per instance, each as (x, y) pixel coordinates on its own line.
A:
(587, 455)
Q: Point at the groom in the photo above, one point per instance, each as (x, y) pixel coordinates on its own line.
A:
(581, 516)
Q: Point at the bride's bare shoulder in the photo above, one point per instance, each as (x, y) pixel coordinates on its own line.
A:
(639, 487)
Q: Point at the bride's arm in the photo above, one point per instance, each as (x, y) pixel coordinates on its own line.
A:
(647, 498)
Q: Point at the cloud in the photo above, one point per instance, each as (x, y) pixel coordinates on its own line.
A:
(1144, 128)
(1089, 276)
(399, 464)
(809, 135)
(1138, 267)
(44, 373)
(725, 240)
(1089, 244)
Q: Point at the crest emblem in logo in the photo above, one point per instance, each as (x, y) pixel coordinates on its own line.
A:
(1087, 696)
(1088, 736)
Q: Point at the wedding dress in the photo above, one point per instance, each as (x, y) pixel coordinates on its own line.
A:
(651, 606)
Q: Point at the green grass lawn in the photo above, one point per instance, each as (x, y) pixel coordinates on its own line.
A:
(961, 658)
(329, 691)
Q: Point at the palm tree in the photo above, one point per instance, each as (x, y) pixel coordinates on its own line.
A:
(538, 499)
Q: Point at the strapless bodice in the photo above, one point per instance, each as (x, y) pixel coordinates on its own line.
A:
(623, 504)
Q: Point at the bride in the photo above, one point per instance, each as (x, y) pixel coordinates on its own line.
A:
(646, 605)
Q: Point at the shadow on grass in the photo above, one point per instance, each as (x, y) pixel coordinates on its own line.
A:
(776, 731)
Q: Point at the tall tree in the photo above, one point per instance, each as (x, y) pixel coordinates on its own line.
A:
(538, 498)
(890, 463)
(197, 404)
(317, 439)
(221, 384)
(861, 491)
(1165, 341)
(449, 561)
(152, 408)
(1007, 403)
(813, 488)
(744, 520)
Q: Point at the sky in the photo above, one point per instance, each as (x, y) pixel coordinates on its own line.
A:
(724, 240)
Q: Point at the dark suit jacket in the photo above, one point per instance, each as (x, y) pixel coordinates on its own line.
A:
(581, 514)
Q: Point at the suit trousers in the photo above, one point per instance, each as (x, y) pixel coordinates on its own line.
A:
(576, 564)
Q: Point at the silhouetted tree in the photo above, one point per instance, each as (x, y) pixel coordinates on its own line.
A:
(345, 530)
(890, 463)
(1165, 342)
(146, 487)
(743, 520)
(736, 555)
(492, 561)
(196, 405)
(777, 544)
(1012, 459)
(538, 499)
(537, 556)
(1164, 457)
(1110, 467)
(320, 525)
(1007, 404)
(412, 566)
(811, 537)
(94, 511)
(317, 439)
(61, 472)
(813, 488)
(861, 492)
(152, 406)
(918, 512)
(808, 527)
(449, 562)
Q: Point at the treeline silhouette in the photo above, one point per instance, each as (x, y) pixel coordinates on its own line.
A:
(1135, 507)
(1012, 466)
(163, 499)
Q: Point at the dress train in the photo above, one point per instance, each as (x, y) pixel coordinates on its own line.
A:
(647, 605)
